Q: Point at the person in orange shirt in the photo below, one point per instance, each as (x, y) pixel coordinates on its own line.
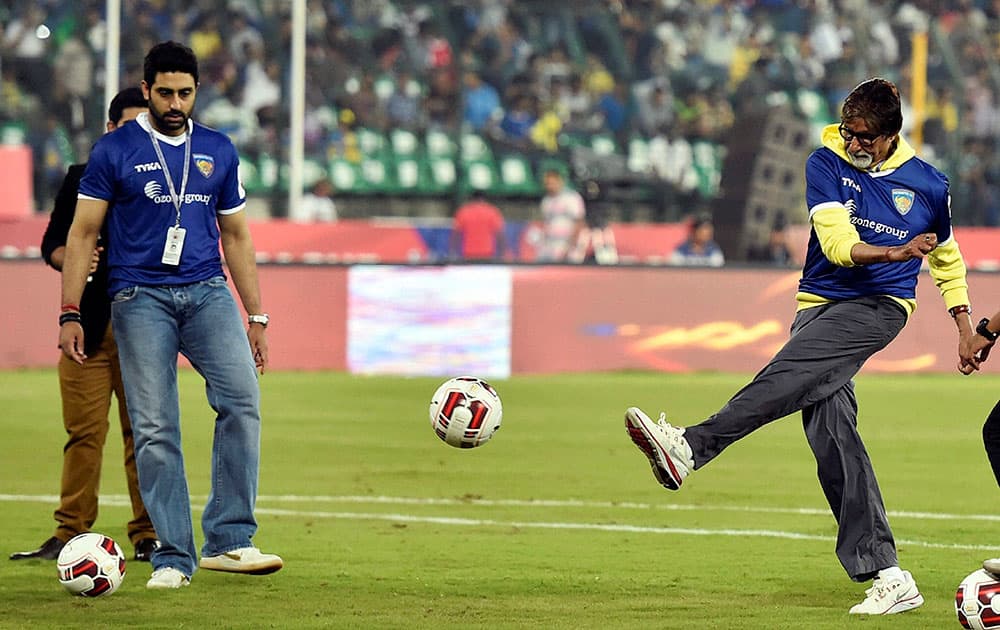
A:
(477, 233)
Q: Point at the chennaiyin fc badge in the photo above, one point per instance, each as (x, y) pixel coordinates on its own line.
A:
(902, 199)
(204, 163)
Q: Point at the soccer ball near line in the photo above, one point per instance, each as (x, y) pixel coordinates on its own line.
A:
(465, 412)
(977, 601)
(91, 565)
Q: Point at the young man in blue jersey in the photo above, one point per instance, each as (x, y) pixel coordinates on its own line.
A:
(876, 211)
(174, 192)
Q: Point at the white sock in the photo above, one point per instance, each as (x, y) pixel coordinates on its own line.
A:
(891, 573)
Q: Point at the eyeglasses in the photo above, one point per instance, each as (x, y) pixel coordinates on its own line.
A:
(866, 140)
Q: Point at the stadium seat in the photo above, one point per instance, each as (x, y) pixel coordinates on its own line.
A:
(250, 176)
(516, 177)
(404, 142)
(443, 174)
(480, 175)
(707, 166)
(475, 148)
(13, 133)
(439, 144)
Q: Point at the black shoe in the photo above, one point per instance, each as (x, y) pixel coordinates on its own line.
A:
(144, 549)
(48, 551)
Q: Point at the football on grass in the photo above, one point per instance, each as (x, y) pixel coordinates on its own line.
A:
(977, 601)
(465, 412)
(91, 565)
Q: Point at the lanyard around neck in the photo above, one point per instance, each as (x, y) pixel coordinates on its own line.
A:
(178, 199)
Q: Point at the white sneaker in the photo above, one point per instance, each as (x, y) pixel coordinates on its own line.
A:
(167, 577)
(992, 566)
(244, 560)
(668, 452)
(888, 597)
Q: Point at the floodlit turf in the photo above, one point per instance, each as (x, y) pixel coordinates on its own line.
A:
(556, 523)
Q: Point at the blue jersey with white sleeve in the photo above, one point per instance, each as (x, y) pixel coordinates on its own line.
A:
(125, 170)
(888, 206)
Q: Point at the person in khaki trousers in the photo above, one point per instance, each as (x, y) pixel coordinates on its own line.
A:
(86, 389)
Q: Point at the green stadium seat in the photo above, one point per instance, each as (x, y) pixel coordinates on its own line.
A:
(404, 142)
(250, 175)
(707, 166)
(346, 177)
(516, 177)
(475, 148)
(443, 174)
(480, 175)
(13, 133)
(371, 142)
(439, 144)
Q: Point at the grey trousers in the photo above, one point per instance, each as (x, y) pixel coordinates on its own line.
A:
(813, 374)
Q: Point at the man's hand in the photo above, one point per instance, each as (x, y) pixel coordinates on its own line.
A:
(973, 352)
(71, 341)
(918, 247)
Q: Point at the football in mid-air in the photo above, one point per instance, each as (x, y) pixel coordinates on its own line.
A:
(91, 565)
(977, 601)
(465, 411)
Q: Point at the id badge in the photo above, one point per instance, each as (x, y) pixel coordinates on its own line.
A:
(174, 245)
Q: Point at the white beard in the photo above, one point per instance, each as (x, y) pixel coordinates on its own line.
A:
(861, 160)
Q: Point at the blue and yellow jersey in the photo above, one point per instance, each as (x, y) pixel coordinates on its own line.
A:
(125, 168)
(885, 206)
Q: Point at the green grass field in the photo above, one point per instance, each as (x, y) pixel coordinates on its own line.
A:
(556, 523)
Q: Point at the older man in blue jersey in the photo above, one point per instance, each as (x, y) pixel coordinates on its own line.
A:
(174, 193)
(876, 211)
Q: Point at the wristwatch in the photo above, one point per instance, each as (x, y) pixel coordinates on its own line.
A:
(982, 329)
(261, 319)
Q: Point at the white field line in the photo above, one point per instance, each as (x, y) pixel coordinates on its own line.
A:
(122, 500)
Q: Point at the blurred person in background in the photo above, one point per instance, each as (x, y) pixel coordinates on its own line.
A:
(563, 218)
(876, 211)
(86, 389)
(700, 248)
(317, 204)
(775, 251)
(477, 233)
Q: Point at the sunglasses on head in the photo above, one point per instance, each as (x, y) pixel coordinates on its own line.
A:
(866, 140)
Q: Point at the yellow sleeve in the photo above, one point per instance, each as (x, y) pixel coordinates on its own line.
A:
(836, 235)
(947, 267)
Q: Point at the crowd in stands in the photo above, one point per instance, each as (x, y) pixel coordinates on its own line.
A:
(651, 78)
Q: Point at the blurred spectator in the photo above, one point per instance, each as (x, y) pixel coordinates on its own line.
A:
(518, 120)
(654, 108)
(243, 36)
(700, 248)
(25, 46)
(365, 104)
(317, 204)
(575, 105)
(477, 233)
(563, 215)
(442, 103)
(776, 251)
(403, 108)
(482, 102)
(596, 240)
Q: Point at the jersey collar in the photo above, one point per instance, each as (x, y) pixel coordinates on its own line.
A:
(143, 120)
(832, 140)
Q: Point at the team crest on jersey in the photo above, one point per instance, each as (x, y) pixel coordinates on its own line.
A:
(902, 199)
(206, 164)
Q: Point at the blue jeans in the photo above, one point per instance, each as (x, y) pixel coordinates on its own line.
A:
(202, 322)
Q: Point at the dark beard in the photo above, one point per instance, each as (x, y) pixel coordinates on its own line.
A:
(169, 127)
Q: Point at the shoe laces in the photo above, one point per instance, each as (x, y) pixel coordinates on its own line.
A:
(882, 588)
